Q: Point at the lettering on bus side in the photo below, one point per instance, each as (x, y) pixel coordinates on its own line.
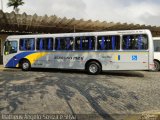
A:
(68, 58)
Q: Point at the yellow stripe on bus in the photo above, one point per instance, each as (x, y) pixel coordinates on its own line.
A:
(35, 56)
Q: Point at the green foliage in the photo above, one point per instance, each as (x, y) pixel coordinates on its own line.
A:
(15, 4)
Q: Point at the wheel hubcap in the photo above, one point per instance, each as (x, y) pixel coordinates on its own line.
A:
(93, 68)
(25, 65)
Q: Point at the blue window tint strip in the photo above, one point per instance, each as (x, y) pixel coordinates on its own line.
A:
(49, 44)
(23, 45)
(90, 43)
(113, 42)
(41, 44)
(127, 42)
(68, 43)
(102, 43)
(59, 44)
(140, 42)
(108, 42)
(81, 43)
(32, 44)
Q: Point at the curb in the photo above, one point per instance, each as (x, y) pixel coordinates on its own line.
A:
(9, 69)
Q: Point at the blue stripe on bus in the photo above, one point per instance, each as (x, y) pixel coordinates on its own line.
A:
(119, 57)
(12, 62)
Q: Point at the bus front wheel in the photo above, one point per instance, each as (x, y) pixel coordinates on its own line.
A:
(156, 66)
(93, 68)
(25, 65)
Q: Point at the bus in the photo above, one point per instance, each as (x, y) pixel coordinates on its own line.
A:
(90, 51)
(156, 42)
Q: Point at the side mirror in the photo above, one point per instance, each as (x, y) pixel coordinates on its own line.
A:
(6, 53)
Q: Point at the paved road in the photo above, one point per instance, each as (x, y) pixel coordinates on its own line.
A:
(75, 92)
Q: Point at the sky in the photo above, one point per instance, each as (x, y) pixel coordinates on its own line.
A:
(124, 11)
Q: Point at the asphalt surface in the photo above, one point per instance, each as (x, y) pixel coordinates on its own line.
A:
(50, 91)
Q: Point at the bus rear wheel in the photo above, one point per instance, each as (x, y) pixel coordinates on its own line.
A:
(156, 66)
(25, 65)
(93, 68)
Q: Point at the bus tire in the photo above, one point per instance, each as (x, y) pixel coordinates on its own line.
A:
(157, 66)
(25, 65)
(93, 68)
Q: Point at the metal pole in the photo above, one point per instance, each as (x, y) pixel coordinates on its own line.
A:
(74, 29)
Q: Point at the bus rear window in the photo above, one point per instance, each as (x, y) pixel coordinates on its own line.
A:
(135, 42)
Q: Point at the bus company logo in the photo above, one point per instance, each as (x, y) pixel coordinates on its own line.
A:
(134, 57)
(118, 57)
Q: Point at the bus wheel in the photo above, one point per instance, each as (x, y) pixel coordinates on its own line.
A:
(93, 68)
(156, 66)
(25, 65)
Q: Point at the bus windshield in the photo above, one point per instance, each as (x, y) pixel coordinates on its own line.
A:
(10, 47)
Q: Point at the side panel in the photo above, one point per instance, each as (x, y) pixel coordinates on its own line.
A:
(12, 60)
(125, 61)
(109, 60)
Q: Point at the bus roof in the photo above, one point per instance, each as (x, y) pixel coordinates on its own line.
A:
(119, 32)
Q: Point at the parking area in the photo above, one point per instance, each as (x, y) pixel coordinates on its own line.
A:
(51, 91)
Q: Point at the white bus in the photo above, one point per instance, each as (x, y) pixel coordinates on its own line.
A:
(156, 41)
(90, 51)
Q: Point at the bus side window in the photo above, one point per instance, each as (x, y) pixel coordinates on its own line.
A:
(44, 44)
(26, 44)
(85, 43)
(64, 43)
(135, 42)
(156, 45)
(111, 42)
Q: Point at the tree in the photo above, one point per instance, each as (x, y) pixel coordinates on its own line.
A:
(15, 4)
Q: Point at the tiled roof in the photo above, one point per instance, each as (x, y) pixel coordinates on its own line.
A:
(23, 23)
